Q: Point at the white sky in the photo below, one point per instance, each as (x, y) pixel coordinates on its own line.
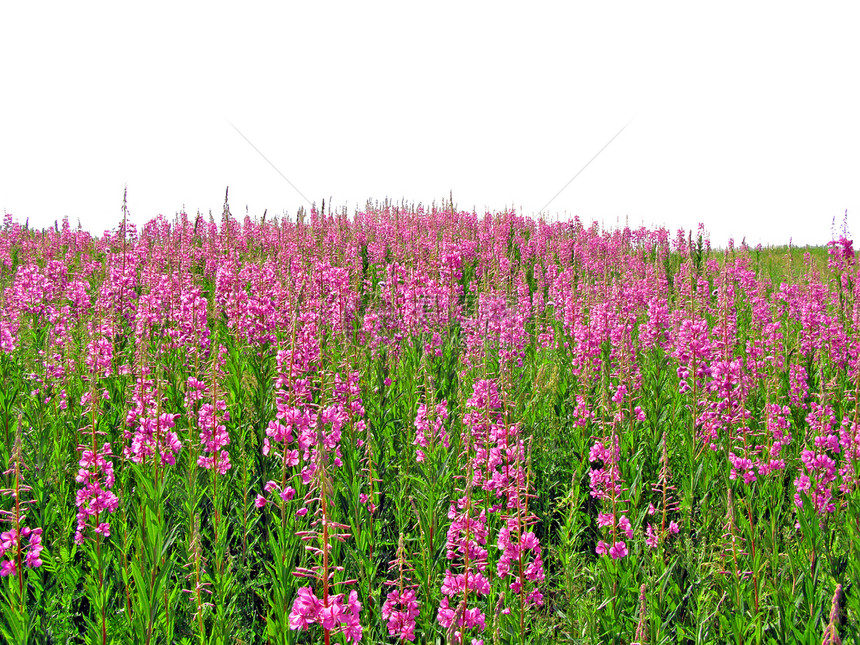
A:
(745, 116)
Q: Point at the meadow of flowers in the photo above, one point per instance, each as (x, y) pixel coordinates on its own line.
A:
(424, 425)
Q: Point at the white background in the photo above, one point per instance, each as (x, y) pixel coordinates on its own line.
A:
(745, 116)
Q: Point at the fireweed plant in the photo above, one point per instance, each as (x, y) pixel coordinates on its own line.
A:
(20, 549)
(417, 424)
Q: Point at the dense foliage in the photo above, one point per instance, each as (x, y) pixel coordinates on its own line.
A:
(425, 425)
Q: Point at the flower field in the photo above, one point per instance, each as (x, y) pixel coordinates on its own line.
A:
(424, 425)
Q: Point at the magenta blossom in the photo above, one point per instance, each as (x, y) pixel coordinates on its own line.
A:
(333, 616)
(10, 541)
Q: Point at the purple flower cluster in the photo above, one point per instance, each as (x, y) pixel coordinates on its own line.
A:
(335, 615)
(818, 469)
(400, 610)
(214, 437)
(514, 554)
(606, 485)
(153, 434)
(467, 537)
(428, 431)
(95, 498)
(11, 542)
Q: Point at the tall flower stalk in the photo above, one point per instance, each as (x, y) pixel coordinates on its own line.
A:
(96, 475)
(401, 608)
(333, 612)
(20, 546)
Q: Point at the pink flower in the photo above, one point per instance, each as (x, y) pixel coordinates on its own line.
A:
(214, 437)
(329, 616)
(624, 525)
(651, 537)
(8, 568)
(335, 616)
(96, 474)
(618, 550)
(445, 614)
(305, 609)
(535, 598)
(401, 612)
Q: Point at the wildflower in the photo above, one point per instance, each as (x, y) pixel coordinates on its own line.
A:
(8, 568)
(96, 473)
(401, 610)
(651, 537)
(214, 437)
(332, 612)
(618, 550)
